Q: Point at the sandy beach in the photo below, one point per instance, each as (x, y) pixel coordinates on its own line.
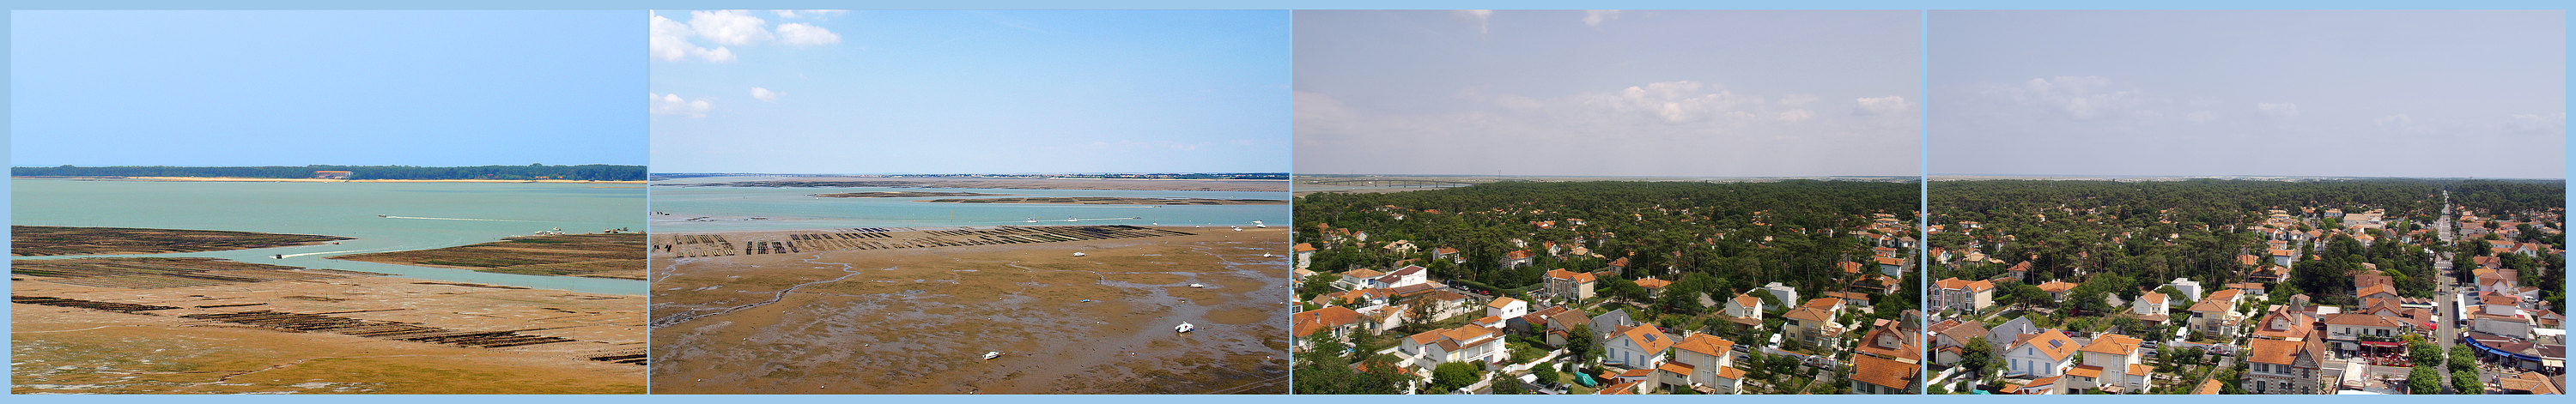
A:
(916, 319)
(267, 329)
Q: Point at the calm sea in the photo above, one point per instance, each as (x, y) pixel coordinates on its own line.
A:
(421, 216)
(705, 209)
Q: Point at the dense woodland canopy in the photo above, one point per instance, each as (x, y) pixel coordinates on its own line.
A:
(2142, 233)
(1713, 226)
(586, 172)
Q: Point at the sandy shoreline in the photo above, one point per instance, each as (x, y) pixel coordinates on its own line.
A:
(915, 320)
(186, 345)
(239, 179)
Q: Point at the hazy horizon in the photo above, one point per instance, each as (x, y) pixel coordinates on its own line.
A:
(2344, 93)
(1602, 92)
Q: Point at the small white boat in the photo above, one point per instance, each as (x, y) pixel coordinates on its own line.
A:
(1077, 253)
(990, 355)
(1257, 223)
(1238, 228)
(1197, 286)
(1184, 327)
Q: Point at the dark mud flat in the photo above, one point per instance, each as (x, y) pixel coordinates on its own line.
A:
(919, 320)
(903, 194)
(59, 240)
(1117, 201)
(617, 256)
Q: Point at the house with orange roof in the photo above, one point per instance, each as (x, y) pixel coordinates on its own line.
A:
(1518, 258)
(1570, 285)
(2284, 257)
(1812, 325)
(1506, 307)
(1638, 347)
(1891, 266)
(2057, 290)
(1708, 360)
(1467, 343)
(2045, 354)
(1961, 295)
(1333, 321)
(2112, 363)
(2284, 366)
(2151, 304)
(1304, 253)
(2354, 331)
(2215, 317)
(1876, 375)
(1745, 306)
(1654, 287)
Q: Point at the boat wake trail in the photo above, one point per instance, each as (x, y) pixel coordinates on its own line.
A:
(450, 218)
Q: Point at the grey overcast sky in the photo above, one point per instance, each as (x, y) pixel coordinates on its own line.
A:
(2294, 93)
(1639, 93)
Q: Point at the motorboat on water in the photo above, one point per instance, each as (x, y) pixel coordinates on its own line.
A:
(1184, 327)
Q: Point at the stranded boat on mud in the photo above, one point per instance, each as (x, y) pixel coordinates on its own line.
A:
(993, 354)
(1184, 327)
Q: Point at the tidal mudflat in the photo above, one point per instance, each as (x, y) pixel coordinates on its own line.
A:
(906, 310)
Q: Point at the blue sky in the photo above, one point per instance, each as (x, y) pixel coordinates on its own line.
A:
(2302, 93)
(241, 88)
(1625, 93)
(969, 91)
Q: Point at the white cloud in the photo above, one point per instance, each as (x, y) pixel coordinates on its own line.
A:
(2077, 97)
(2395, 120)
(806, 35)
(1661, 128)
(729, 27)
(2200, 116)
(1795, 115)
(669, 41)
(814, 14)
(1596, 17)
(764, 94)
(673, 104)
(2277, 110)
(1479, 16)
(1881, 105)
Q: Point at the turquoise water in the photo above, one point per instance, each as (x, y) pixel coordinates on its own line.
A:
(731, 209)
(429, 215)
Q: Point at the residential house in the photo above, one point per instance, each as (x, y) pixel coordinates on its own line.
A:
(1636, 347)
(2113, 363)
(2284, 366)
(1468, 343)
(1337, 322)
(1569, 285)
(2046, 354)
(1304, 253)
(1961, 295)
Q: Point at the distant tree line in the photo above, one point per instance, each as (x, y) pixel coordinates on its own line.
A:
(586, 172)
(1710, 232)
